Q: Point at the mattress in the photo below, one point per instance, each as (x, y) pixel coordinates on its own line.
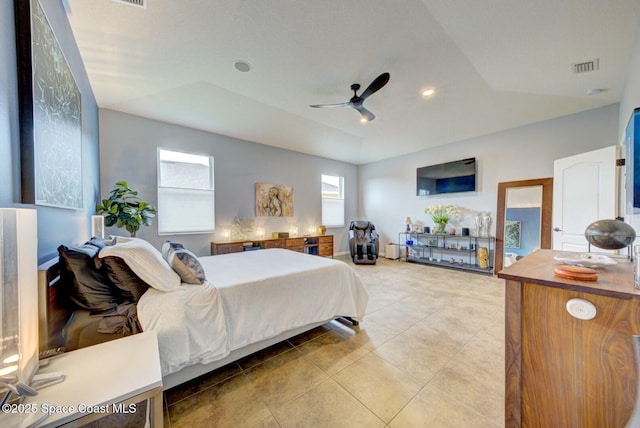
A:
(248, 297)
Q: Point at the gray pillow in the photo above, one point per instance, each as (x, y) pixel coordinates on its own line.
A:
(184, 262)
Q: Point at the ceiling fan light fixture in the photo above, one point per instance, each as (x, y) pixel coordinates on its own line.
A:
(242, 66)
(357, 100)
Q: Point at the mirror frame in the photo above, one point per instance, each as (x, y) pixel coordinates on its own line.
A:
(545, 226)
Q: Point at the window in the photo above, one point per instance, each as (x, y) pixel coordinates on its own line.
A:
(332, 201)
(185, 193)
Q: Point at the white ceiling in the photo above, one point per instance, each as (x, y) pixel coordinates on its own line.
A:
(495, 64)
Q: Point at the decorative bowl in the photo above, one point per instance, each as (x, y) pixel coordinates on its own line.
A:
(585, 259)
(610, 234)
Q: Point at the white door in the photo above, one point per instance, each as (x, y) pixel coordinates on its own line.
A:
(584, 190)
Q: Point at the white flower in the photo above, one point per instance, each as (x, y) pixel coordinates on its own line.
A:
(442, 213)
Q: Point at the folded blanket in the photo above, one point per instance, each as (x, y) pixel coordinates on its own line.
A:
(122, 320)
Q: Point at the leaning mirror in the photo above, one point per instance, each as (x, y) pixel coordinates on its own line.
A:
(523, 221)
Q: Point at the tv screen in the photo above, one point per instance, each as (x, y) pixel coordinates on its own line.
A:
(450, 177)
(632, 163)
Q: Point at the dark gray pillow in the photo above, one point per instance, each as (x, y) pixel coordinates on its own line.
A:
(89, 288)
(129, 285)
(184, 262)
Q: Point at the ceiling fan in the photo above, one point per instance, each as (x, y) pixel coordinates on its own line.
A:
(357, 101)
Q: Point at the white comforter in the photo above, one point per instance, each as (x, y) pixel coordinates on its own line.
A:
(248, 297)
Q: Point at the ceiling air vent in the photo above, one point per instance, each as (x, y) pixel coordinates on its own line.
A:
(139, 3)
(586, 66)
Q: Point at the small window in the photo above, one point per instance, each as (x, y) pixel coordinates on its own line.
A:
(185, 193)
(332, 201)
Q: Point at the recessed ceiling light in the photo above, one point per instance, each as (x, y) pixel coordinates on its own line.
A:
(242, 66)
(428, 92)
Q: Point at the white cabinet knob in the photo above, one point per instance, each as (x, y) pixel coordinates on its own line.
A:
(581, 309)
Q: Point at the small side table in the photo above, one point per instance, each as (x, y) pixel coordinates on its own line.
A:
(106, 378)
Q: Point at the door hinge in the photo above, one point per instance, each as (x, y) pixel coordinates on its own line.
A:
(620, 162)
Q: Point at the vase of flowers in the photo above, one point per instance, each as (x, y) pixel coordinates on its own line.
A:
(441, 214)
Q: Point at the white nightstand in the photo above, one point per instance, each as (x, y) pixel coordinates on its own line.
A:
(110, 377)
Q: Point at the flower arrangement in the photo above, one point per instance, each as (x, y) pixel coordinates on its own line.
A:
(441, 214)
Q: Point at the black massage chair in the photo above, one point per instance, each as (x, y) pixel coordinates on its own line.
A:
(363, 242)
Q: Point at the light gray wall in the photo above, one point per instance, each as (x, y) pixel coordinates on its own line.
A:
(388, 188)
(630, 99)
(128, 152)
(55, 226)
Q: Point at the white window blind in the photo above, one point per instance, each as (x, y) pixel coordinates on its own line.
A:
(332, 201)
(185, 192)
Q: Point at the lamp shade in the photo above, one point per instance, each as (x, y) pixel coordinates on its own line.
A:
(408, 221)
(97, 226)
(18, 295)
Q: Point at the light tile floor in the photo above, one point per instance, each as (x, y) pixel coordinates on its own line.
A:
(429, 353)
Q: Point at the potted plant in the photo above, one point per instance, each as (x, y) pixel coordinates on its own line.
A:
(124, 208)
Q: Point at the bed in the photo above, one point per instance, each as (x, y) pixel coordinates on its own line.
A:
(249, 301)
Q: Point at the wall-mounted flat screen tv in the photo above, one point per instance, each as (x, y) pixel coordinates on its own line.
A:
(632, 163)
(449, 177)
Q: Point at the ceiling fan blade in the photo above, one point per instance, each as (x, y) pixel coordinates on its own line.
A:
(366, 114)
(347, 104)
(375, 86)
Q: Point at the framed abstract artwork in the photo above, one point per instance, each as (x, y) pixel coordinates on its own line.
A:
(49, 112)
(512, 232)
(274, 200)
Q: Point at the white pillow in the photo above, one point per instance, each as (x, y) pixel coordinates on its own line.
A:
(146, 262)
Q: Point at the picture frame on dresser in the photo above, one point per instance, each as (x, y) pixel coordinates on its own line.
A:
(50, 119)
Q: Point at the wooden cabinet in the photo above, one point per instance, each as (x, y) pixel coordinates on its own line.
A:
(325, 245)
(562, 370)
(316, 245)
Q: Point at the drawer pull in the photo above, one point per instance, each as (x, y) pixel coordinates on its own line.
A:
(581, 309)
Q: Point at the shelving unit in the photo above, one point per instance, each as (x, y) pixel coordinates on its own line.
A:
(439, 249)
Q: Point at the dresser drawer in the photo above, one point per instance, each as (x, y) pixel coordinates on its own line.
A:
(231, 247)
(275, 243)
(325, 250)
(325, 239)
(295, 242)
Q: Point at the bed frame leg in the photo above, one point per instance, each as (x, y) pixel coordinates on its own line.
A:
(351, 320)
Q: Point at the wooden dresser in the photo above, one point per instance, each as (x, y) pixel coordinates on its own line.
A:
(562, 371)
(321, 245)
